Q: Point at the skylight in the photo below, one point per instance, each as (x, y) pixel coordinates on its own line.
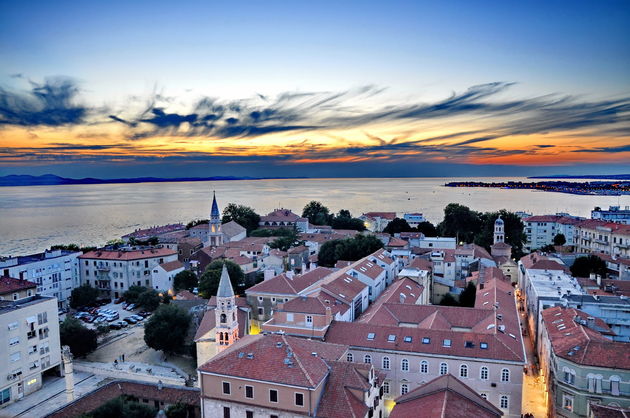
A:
(426, 340)
(371, 336)
(483, 346)
(391, 338)
(446, 342)
(407, 339)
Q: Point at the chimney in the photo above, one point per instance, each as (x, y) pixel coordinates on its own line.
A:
(590, 322)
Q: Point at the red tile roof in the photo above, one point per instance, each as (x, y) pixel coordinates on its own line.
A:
(445, 396)
(368, 268)
(280, 215)
(397, 242)
(339, 399)
(383, 256)
(384, 215)
(311, 305)
(579, 343)
(344, 288)
(9, 284)
(127, 255)
(284, 285)
(172, 265)
(268, 364)
(411, 290)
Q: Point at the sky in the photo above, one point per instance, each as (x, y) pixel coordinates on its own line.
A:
(314, 89)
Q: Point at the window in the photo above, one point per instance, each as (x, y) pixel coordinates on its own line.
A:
(569, 376)
(408, 339)
(386, 387)
(463, 371)
(289, 316)
(273, 395)
(226, 388)
(391, 338)
(5, 396)
(484, 395)
(483, 346)
(424, 366)
(426, 340)
(367, 359)
(386, 363)
(249, 392)
(13, 325)
(370, 336)
(260, 298)
(350, 357)
(443, 368)
(261, 311)
(249, 414)
(404, 388)
(446, 343)
(567, 402)
(309, 319)
(15, 356)
(505, 375)
(614, 385)
(226, 412)
(504, 401)
(404, 365)
(299, 399)
(483, 373)
(14, 341)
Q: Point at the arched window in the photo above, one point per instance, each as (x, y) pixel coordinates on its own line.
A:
(569, 375)
(386, 363)
(404, 365)
(504, 401)
(367, 359)
(483, 373)
(223, 318)
(463, 370)
(350, 357)
(443, 368)
(505, 375)
(424, 366)
(404, 388)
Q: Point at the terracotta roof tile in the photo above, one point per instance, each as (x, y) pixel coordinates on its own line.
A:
(127, 255)
(9, 284)
(172, 265)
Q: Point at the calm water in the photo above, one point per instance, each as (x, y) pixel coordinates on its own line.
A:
(34, 218)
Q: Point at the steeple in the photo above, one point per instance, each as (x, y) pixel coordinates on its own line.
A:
(225, 286)
(215, 235)
(226, 313)
(214, 213)
(499, 230)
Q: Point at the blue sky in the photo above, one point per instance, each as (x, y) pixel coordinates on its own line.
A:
(124, 58)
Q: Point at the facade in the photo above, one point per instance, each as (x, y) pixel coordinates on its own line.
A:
(370, 274)
(377, 221)
(186, 247)
(540, 230)
(55, 272)
(114, 271)
(387, 262)
(163, 274)
(306, 316)
(597, 236)
(30, 344)
(233, 232)
(414, 344)
(613, 214)
(284, 218)
(613, 310)
(414, 219)
(580, 365)
(281, 376)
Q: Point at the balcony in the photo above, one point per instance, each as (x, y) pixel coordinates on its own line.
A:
(31, 334)
(103, 268)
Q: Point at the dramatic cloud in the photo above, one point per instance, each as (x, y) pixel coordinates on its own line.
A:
(46, 104)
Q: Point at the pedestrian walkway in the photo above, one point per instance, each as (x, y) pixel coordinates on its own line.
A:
(51, 396)
(533, 400)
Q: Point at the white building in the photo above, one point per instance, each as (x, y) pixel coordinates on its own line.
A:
(29, 339)
(387, 262)
(541, 230)
(55, 272)
(613, 214)
(414, 219)
(441, 243)
(163, 275)
(370, 274)
(114, 271)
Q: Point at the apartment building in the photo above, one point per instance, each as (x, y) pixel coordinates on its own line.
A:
(541, 230)
(597, 236)
(114, 271)
(29, 339)
(414, 344)
(55, 272)
(613, 214)
(370, 274)
(613, 310)
(279, 376)
(163, 275)
(580, 365)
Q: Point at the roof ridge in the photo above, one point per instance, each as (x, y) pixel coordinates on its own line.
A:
(297, 360)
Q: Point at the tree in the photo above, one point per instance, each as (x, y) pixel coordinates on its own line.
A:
(427, 228)
(344, 220)
(197, 222)
(179, 410)
(513, 227)
(276, 232)
(350, 249)
(83, 296)
(131, 295)
(148, 241)
(149, 300)
(317, 213)
(123, 406)
(448, 300)
(79, 338)
(559, 239)
(242, 215)
(287, 241)
(185, 280)
(584, 266)
(102, 329)
(166, 329)
(461, 222)
(396, 226)
(209, 281)
(468, 296)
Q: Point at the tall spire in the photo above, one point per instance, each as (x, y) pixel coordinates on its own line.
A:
(225, 286)
(214, 213)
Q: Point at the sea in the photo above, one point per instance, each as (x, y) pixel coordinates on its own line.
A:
(35, 217)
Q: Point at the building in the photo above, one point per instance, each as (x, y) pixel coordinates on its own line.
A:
(438, 243)
(597, 236)
(114, 271)
(282, 376)
(55, 272)
(215, 233)
(163, 275)
(377, 221)
(29, 339)
(613, 310)
(444, 396)
(541, 230)
(186, 247)
(613, 214)
(350, 291)
(284, 218)
(306, 316)
(414, 219)
(413, 344)
(233, 232)
(580, 364)
(370, 274)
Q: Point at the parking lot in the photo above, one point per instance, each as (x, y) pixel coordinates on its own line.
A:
(112, 314)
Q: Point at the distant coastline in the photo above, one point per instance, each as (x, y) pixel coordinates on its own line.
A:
(598, 188)
(53, 180)
(592, 176)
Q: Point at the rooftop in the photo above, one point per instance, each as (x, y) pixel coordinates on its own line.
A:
(127, 255)
(10, 285)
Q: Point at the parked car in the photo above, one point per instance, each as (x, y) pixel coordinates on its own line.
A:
(123, 324)
(131, 307)
(119, 300)
(115, 325)
(137, 317)
(130, 320)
